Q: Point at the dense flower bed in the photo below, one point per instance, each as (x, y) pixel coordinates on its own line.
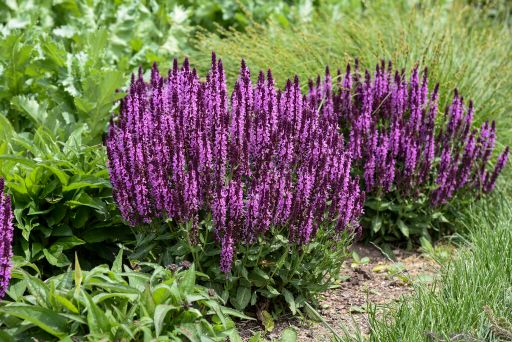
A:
(181, 149)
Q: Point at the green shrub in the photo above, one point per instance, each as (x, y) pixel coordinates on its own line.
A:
(62, 197)
(117, 303)
(271, 275)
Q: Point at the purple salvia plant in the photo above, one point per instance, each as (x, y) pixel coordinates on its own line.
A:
(390, 126)
(257, 159)
(6, 235)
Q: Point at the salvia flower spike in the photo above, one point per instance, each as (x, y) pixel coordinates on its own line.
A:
(6, 235)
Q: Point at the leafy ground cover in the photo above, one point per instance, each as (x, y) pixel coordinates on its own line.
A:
(115, 303)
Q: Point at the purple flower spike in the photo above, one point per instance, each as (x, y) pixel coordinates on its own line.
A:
(6, 234)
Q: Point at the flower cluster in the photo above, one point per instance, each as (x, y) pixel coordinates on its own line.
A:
(398, 140)
(182, 148)
(6, 231)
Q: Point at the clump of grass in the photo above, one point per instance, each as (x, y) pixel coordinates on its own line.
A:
(472, 301)
(462, 45)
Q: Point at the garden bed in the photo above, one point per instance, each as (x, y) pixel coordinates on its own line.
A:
(374, 279)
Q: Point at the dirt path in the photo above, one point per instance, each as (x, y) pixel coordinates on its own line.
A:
(373, 278)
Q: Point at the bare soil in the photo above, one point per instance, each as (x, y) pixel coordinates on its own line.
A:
(378, 280)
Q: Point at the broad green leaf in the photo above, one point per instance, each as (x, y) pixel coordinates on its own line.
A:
(403, 227)
(272, 291)
(79, 182)
(161, 311)
(243, 296)
(38, 289)
(376, 223)
(31, 107)
(97, 321)
(268, 321)
(66, 303)
(132, 297)
(17, 289)
(67, 243)
(234, 313)
(188, 281)
(147, 301)
(5, 337)
(117, 266)
(45, 319)
(19, 159)
(288, 335)
(234, 336)
(55, 257)
(63, 177)
(6, 130)
(161, 293)
(288, 296)
(256, 337)
(217, 309)
(86, 200)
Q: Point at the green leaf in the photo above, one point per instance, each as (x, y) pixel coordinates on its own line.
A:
(243, 296)
(117, 266)
(234, 336)
(77, 275)
(288, 297)
(256, 337)
(61, 175)
(66, 243)
(6, 130)
(161, 293)
(403, 227)
(288, 335)
(189, 280)
(235, 313)
(86, 200)
(161, 311)
(272, 291)
(80, 182)
(29, 106)
(97, 320)
(376, 223)
(38, 289)
(258, 277)
(45, 319)
(268, 321)
(106, 295)
(5, 337)
(66, 303)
